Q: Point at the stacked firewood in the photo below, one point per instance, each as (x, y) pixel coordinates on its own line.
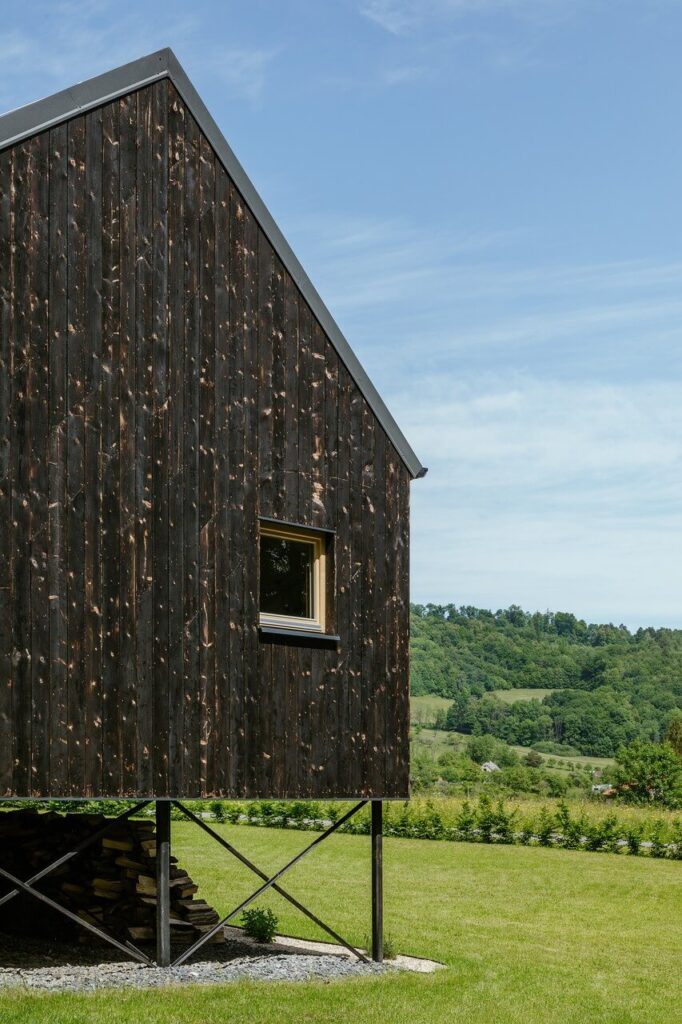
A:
(111, 884)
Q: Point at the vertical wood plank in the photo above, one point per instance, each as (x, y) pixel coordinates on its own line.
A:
(58, 552)
(6, 469)
(92, 456)
(209, 714)
(342, 582)
(264, 366)
(127, 702)
(176, 435)
(377, 680)
(236, 421)
(356, 597)
(160, 449)
(368, 637)
(112, 732)
(143, 397)
(279, 389)
(75, 469)
(39, 399)
(305, 413)
(401, 582)
(223, 752)
(192, 705)
(251, 503)
(290, 508)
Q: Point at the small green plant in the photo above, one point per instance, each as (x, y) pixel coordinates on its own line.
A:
(390, 949)
(260, 924)
(217, 810)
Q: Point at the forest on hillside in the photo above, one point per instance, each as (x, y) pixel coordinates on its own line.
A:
(612, 685)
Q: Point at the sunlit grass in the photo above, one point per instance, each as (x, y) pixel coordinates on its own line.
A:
(529, 935)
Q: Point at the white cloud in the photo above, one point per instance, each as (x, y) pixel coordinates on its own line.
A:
(87, 36)
(549, 494)
(403, 17)
(546, 401)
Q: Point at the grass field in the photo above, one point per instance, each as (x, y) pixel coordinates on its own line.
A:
(512, 696)
(530, 936)
(437, 741)
(423, 709)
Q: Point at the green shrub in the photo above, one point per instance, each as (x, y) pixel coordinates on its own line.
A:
(486, 819)
(658, 846)
(571, 829)
(545, 828)
(217, 810)
(260, 923)
(504, 824)
(633, 837)
(465, 821)
(675, 848)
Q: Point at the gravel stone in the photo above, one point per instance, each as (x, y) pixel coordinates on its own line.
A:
(281, 967)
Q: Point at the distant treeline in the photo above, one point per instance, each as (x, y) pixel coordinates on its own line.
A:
(614, 686)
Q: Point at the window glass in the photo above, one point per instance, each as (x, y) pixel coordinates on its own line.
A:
(286, 576)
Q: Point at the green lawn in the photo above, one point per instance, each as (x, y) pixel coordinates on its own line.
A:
(530, 936)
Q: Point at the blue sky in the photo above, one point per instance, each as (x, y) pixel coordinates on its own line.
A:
(487, 194)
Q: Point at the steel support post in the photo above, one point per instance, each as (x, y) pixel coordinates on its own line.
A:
(377, 882)
(163, 836)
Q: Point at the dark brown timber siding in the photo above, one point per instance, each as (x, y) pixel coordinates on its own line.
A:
(162, 385)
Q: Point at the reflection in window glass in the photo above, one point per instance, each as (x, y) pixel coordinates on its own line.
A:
(286, 571)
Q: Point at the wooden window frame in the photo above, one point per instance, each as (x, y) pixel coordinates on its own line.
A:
(316, 625)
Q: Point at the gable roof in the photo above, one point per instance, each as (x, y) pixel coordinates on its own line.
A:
(36, 117)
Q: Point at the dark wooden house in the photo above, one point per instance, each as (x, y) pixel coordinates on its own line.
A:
(205, 502)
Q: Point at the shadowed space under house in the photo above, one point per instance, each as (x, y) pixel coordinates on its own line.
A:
(204, 576)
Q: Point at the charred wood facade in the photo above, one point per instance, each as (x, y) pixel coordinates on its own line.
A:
(163, 385)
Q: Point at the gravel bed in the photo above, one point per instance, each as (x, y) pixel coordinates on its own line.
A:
(281, 967)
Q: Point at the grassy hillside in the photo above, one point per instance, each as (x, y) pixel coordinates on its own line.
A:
(528, 936)
(511, 696)
(597, 685)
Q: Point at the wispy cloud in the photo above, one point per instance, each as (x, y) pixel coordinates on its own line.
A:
(549, 493)
(243, 70)
(86, 36)
(434, 297)
(404, 75)
(403, 17)
(546, 400)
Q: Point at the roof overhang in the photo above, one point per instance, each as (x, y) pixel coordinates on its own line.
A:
(36, 117)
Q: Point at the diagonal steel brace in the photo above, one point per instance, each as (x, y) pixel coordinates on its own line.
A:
(128, 948)
(267, 884)
(27, 886)
(276, 888)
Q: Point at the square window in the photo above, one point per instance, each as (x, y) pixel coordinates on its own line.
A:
(292, 578)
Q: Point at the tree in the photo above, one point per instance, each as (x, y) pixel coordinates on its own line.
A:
(649, 772)
(533, 759)
(673, 735)
(481, 748)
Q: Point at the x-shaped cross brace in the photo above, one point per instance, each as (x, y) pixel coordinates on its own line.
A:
(268, 883)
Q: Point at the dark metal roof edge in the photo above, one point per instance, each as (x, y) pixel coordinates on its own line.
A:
(38, 116)
(42, 114)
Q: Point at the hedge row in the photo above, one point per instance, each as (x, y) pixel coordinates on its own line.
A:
(485, 821)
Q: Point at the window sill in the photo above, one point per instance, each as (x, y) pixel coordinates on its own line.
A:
(300, 637)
